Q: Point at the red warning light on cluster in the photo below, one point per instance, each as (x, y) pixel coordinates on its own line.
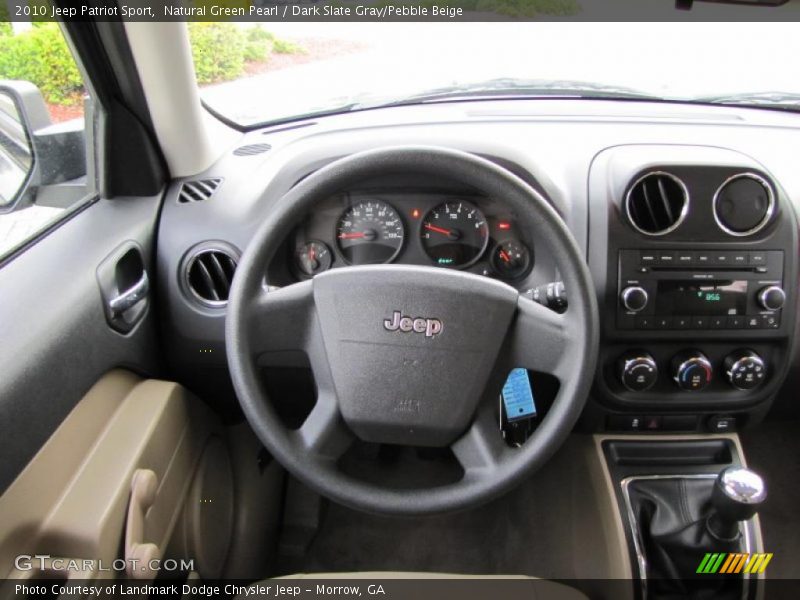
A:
(504, 225)
(415, 213)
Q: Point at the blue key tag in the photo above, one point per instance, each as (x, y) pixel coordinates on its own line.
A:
(518, 396)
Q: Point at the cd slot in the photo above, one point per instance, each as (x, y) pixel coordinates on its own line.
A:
(715, 268)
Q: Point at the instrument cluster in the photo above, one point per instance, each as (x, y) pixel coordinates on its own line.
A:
(454, 231)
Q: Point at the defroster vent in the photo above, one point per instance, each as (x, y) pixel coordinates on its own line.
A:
(198, 190)
(251, 149)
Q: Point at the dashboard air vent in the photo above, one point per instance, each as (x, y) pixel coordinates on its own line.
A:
(251, 149)
(657, 203)
(744, 204)
(198, 190)
(209, 274)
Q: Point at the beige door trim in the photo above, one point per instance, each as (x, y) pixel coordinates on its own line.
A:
(70, 501)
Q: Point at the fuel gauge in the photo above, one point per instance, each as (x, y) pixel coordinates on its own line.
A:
(313, 257)
(511, 259)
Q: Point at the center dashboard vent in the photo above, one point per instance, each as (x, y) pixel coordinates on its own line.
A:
(198, 190)
(657, 203)
(209, 275)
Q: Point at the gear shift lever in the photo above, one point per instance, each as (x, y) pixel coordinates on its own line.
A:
(738, 494)
(681, 519)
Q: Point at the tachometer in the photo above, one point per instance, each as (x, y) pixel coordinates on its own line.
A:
(370, 232)
(455, 234)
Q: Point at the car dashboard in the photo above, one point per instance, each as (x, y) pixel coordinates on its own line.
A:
(696, 287)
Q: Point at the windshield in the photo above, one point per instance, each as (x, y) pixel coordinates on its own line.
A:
(285, 71)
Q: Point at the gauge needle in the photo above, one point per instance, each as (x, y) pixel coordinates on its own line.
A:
(504, 255)
(437, 229)
(351, 236)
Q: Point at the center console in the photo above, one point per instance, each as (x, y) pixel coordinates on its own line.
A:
(686, 504)
(695, 261)
(694, 255)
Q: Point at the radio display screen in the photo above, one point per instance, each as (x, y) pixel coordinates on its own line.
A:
(702, 298)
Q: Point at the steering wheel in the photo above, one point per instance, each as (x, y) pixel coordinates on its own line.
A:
(428, 376)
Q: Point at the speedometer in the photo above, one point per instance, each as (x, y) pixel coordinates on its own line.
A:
(370, 232)
(455, 234)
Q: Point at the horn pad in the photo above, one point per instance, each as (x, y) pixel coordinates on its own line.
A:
(411, 349)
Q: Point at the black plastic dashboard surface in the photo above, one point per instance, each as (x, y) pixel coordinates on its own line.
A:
(581, 155)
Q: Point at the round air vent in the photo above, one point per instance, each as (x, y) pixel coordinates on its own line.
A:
(657, 203)
(209, 275)
(744, 204)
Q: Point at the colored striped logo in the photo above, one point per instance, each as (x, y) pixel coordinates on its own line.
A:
(730, 563)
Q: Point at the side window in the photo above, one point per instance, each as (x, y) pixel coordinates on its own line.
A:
(43, 149)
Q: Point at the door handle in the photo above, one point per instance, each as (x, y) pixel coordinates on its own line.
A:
(124, 287)
(130, 297)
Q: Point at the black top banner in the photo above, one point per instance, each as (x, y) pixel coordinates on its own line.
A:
(266, 11)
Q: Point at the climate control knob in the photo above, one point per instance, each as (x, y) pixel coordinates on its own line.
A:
(634, 298)
(637, 371)
(771, 297)
(745, 369)
(691, 370)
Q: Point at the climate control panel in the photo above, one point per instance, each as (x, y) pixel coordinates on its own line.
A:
(691, 370)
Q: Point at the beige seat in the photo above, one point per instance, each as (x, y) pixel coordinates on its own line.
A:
(542, 589)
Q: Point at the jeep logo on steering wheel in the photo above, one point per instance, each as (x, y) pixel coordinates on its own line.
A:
(398, 322)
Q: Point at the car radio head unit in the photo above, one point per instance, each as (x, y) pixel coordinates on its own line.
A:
(702, 289)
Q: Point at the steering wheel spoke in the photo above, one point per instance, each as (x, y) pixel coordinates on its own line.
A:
(284, 320)
(280, 320)
(324, 432)
(539, 339)
(481, 449)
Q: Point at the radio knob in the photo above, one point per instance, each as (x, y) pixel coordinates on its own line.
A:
(771, 297)
(745, 369)
(634, 298)
(637, 371)
(691, 370)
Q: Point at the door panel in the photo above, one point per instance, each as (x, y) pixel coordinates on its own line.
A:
(71, 500)
(55, 340)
